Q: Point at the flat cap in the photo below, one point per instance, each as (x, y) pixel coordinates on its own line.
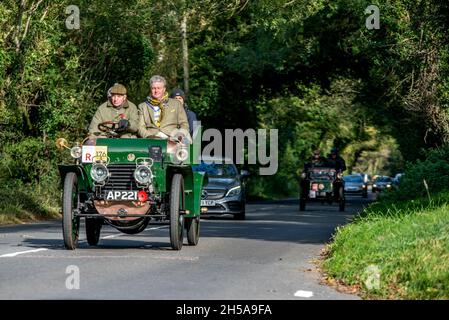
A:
(118, 89)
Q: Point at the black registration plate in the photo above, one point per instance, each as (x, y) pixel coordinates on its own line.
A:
(121, 195)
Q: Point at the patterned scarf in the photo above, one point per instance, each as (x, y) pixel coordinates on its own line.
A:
(158, 107)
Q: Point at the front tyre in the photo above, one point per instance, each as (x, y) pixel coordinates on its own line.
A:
(193, 230)
(93, 230)
(177, 203)
(241, 215)
(70, 205)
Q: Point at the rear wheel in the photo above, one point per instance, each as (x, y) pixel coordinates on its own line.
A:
(93, 230)
(342, 199)
(70, 205)
(177, 203)
(193, 230)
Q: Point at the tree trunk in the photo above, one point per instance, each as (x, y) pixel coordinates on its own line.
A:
(185, 52)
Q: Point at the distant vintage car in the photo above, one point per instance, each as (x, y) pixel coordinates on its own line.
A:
(321, 184)
(224, 192)
(382, 183)
(128, 183)
(354, 184)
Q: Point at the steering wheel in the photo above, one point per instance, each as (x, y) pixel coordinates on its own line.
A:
(109, 127)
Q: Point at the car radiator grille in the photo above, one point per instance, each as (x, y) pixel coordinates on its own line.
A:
(121, 177)
(213, 194)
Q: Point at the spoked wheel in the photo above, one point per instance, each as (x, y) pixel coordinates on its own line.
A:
(342, 199)
(177, 203)
(70, 203)
(93, 230)
(193, 230)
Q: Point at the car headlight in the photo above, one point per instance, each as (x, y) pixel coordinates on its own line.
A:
(76, 152)
(143, 174)
(99, 172)
(234, 191)
(388, 185)
(181, 154)
(374, 185)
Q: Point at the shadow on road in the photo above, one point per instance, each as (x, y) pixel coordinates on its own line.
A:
(266, 221)
(282, 221)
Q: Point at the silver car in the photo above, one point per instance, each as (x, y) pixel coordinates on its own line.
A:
(225, 191)
(355, 184)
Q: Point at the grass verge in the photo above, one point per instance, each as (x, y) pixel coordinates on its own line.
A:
(20, 203)
(394, 250)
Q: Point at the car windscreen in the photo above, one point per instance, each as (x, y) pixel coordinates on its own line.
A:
(357, 179)
(325, 174)
(221, 170)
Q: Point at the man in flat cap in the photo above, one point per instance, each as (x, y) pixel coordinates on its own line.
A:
(119, 110)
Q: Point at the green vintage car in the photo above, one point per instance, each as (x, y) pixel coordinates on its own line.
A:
(321, 184)
(129, 183)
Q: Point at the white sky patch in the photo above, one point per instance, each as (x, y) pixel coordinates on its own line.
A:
(303, 294)
(14, 254)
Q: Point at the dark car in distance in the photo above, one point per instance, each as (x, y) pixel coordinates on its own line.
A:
(224, 192)
(382, 183)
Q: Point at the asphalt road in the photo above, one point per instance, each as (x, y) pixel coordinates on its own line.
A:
(268, 256)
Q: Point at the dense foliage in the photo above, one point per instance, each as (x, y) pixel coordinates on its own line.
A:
(308, 68)
(422, 179)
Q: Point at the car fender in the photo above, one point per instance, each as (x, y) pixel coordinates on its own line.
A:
(77, 169)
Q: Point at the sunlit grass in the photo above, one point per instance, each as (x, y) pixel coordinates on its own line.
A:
(408, 242)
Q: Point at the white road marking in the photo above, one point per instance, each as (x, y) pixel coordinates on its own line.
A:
(157, 228)
(10, 255)
(303, 294)
(112, 236)
(26, 236)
